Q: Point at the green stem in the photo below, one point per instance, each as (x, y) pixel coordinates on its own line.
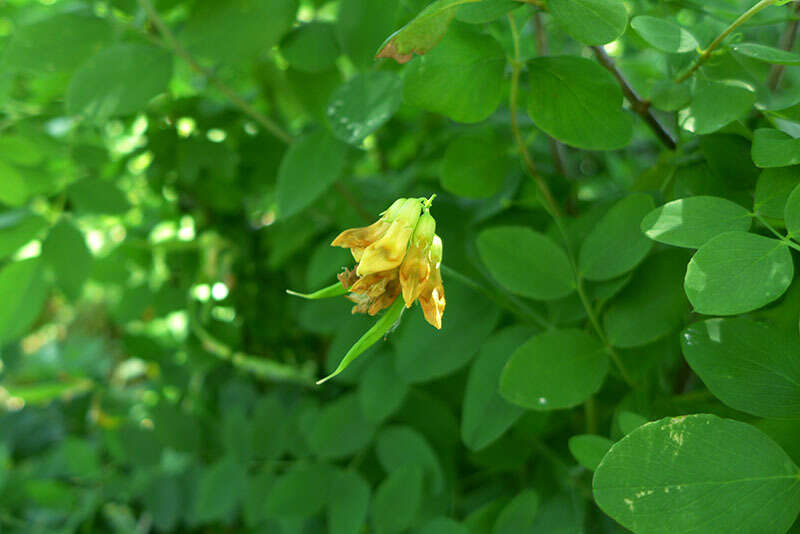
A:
(783, 238)
(508, 302)
(552, 207)
(705, 54)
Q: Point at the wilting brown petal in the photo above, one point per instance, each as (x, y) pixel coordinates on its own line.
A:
(361, 237)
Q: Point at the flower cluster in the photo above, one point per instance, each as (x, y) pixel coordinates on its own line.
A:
(398, 254)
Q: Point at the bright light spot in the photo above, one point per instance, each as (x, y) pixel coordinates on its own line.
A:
(146, 424)
(95, 240)
(268, 218)
(306, 14)
(186, 230)
(219, 291)
(250, 128)
(117, 233)
(169, 194)
(614, 48)
(60, 126)
(138, 164)
(223, 313)
(215, 135)
(178, 322)
(201, 292)
(31, 250)
(163, 231)
(369, 142)
(186, 126)
(139, 126)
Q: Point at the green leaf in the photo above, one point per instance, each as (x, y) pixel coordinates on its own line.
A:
(120, 80)
(485, 10)
(616, 245)
(591, 22)
(380, 390)
(67, 255)
(462, 78)
(485, 415)
(671, 96)
(23, 291)
(311, 47)
(651, 306)
(398, 446)
(474, 166)
(698, 473)
(423, 32)
(13, 190)
(737, 272)
(301, 491)
(526, 262)
(310, 166)
(339, 429)
(563, 514)
(211, 504)
(92, 195)
(752, 367)
(518, 515)
(773, 189)
(664, 35)
(378, 330)
(767, 53)
(348, 503)
(774, 148)
(578, 102)
(236, 30)
(398, 500)
(363, 26)
(554, 370)
(589, 449)
(693, 221)
(17, 228)
(363, 104)
(718, 103)
(57, 43)
(333, 290)
(424, 353)
(443, 525)
(792, 213)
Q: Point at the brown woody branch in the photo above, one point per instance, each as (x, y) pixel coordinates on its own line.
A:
(639, 106)
(787, 43)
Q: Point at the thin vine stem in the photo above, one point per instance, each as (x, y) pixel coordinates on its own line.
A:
(705, 54)
(552, 207)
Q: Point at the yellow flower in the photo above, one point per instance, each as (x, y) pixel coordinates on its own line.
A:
(416, 268)
(398, 254)
(431, 297)
(388, 252)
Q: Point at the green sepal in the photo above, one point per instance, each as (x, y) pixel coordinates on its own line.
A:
(333, 290)
(381, 327)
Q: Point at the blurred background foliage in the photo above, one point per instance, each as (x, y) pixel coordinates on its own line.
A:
(164, 178)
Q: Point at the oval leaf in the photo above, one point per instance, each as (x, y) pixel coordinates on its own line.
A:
(737, 272)
(526, 262)
(578, 102)
(749, 366)
(591, 22)
(698, 473)
(664, 35)
(363, 104)
(691, 222)
(554, 370)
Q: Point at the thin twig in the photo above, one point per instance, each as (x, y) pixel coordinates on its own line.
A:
(173, 43)
(639, 106)
(705, 54)
(788, 39)
(552, 208)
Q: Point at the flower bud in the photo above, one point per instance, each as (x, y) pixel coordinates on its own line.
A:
(388, 252)
(415, 270)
